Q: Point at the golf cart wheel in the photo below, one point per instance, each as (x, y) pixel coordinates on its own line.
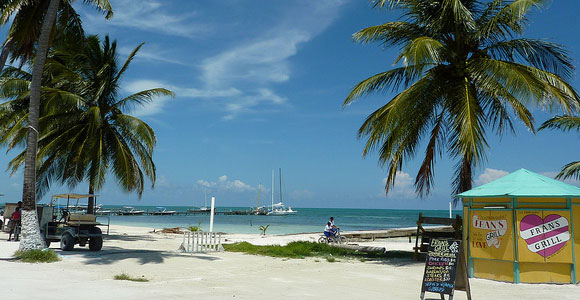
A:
(96, 242)
(67, 242)
(323, 240)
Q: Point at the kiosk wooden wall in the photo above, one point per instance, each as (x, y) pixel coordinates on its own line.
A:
(523, 227)
(505, 238)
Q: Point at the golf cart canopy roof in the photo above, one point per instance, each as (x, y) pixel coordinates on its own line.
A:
(74, 196)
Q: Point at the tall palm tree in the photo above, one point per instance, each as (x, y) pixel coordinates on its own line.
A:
(463, 68)
(86, 131)
(27, 17)
(31, 238)
(565, 123)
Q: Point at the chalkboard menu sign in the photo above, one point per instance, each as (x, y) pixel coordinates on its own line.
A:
(444, 258)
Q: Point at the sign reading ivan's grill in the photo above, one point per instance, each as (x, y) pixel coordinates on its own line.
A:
(441, 267)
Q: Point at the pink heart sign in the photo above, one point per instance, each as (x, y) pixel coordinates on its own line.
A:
(545, 236)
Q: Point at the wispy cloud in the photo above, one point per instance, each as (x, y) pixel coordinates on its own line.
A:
(262, 62)
(489, 175)
(240, 75)
(152, 16)
(157, 104)
(150, 52)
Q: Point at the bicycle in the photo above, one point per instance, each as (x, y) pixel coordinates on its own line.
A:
(336, 239)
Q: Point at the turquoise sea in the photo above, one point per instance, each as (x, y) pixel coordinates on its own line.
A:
(306, 220)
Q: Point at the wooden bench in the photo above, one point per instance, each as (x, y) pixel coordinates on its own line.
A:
(451, 229)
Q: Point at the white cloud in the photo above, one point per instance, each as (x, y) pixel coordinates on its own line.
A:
(153, 53)
(403, 187)
(156, 106)
(223, 184)
(151, 16)
(253, 66)
(489, 175)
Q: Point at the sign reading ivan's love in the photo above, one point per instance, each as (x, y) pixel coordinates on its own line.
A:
(441, 266)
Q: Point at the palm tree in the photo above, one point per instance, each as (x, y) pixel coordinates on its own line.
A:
(86, 130)
(565, 123)
(462, 69)
(27, 17)
(31, 238)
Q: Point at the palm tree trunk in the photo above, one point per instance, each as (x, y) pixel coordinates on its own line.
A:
(31, 238)
(91, 205)
(5, 52)
(464, 180)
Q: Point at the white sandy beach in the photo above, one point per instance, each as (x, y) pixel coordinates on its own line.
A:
(82, 274)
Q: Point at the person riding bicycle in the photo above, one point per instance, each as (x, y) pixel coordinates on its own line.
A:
(328, 231)
(334, 229)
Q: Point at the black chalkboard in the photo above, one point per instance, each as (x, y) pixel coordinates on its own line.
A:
(443, 258)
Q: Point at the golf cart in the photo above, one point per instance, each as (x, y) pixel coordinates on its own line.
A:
(70, 224)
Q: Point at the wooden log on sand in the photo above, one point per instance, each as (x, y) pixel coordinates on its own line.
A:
(366, 249)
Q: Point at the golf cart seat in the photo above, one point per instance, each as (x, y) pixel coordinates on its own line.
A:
(81, 219)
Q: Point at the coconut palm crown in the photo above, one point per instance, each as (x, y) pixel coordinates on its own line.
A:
(85, 126)
(462, 68)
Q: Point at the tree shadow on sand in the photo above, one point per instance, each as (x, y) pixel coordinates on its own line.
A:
(396, 258)
(110, 255)
(129, 238)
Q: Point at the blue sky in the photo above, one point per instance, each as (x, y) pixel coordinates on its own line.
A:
(259, 86)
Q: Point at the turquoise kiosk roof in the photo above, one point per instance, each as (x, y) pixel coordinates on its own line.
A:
(523, 183)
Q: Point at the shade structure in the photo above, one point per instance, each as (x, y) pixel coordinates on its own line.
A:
(523, 183)
(523, 227)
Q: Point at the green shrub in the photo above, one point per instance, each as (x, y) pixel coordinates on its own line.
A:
(124, 276)
(309, 249)
(263, 229)
(195, 228)
(330, 259)
(37, 256)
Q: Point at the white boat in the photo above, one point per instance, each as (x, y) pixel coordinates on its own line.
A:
(162, 211)
(201, 209)
(130, 211)
(279, 209)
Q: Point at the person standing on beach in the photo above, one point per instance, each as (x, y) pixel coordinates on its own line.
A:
(14, 222)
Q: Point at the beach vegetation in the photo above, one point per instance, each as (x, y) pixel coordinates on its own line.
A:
(565, 123)
(195, 228)
(124, 276)
(330, 259)
(463, 70)
(31, 33)
(37, 256)
(87, 130)
(263, 229)
(310, 249)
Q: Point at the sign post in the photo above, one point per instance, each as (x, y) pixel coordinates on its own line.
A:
(445, 269)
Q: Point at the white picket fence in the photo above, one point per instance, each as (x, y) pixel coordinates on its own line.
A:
(201, 242)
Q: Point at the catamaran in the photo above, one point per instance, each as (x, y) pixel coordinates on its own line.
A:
(279, 209)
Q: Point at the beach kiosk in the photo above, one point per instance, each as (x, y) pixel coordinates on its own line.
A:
(523, 227)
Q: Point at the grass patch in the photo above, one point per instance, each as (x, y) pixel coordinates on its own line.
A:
(309, 249)
(37, 256)
(330, 259)
(124, 276)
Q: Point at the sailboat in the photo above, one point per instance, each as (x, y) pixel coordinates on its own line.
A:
(201, 209)
(204, 208)
(260, 210)
(279, 209)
